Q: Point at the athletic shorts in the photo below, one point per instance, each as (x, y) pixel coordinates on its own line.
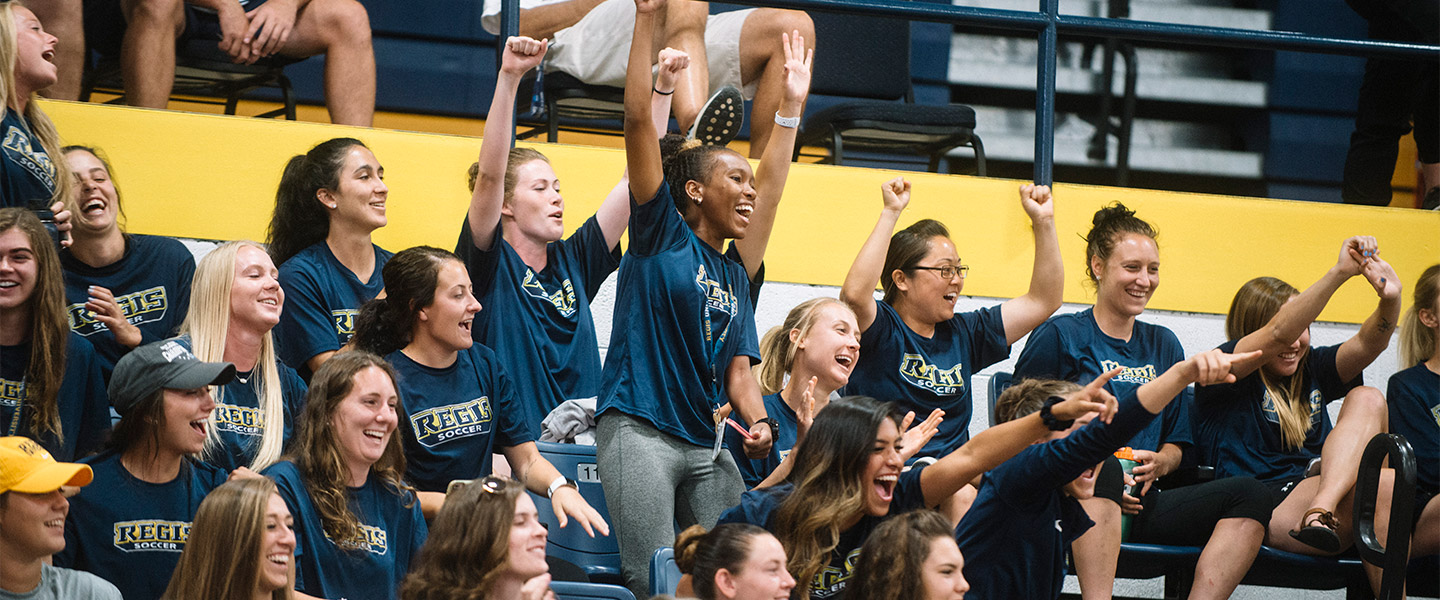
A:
(105, 25)
(596, 50)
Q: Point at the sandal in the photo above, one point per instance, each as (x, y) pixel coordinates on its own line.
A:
(1322, 536)
(720, 120)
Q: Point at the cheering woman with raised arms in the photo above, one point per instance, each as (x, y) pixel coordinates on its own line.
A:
(913, 347)
(684, 334)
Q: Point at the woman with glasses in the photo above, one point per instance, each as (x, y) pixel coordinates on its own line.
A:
(488, 543)
(914, 348)
(1122, 261)
(358, 524)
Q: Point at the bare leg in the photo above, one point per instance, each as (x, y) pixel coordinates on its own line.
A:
(339, 29)
(683, 28)
(64, 20)
(762, 58)
(1098, 551)
(1227, 557)
(1382, 524)
(1362, 415)
(1427, 532)
(147, 56)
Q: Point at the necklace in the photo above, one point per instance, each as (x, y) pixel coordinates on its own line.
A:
(245, 379)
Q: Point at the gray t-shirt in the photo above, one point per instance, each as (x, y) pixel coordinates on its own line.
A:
(66, 584)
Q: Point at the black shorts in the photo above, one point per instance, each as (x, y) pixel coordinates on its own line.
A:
(105, 25)
(1110, 482)
(1186, 516)
(1280, 489)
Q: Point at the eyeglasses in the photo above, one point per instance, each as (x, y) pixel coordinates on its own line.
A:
(490, 484)
(948, 271)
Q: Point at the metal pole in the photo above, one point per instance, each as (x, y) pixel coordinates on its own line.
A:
(509, 27)
(1046, 64)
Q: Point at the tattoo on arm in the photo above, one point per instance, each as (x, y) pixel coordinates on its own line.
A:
(1385, 325)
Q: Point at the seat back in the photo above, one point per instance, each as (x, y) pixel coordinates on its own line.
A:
(664, 573)
(1393, 557)
(998, 383)
(600, 555)
(570, 590)
(861, 57)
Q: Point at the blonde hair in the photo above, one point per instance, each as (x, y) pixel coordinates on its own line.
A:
(777, 350)
(208, 324)
(222, 558)
(1254, 305)
(40, 125)
(1417, 342)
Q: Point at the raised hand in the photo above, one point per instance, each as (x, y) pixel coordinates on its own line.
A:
(798, 61)
(1037, 201)
(896, 194)
(522, 54)
(648, 6)
(1213, 366)
(1355, 252)
(102, 304)
(916, 437)
(1382, 277)
(806, 415)
(1091, 398)
(671, 63)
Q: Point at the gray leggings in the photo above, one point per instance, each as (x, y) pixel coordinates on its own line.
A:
(653, 482)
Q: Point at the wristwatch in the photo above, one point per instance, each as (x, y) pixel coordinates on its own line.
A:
(1052, 423)
(774, 428)
(560, 482)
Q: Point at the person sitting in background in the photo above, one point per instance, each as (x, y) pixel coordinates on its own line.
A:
(910, 557)
(145, 34)
(131, 526)
(31, 499)
(237, 300)
(241, 546)
(488, 543)
(359, 523)
(329, 201)
(51, 387)
(737, 49)
(735, 561)
(1414, 398)
(124, 290)
(1027, 510)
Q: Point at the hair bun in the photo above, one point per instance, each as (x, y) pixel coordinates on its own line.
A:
(1113, 212)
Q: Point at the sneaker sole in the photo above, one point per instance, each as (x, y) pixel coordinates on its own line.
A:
(721, 118)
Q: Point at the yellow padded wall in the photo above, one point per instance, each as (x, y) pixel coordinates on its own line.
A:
(213, 177)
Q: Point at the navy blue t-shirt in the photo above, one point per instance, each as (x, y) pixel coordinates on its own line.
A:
(757, 507)
(1414, 397)
(151, 283)
(923, 374)
(322, 299)
(755, 471)
(83, 402)
(682, 313)
(369, 569)
(1072, 347)
(131, 532)
(238, 419)
(458, 417)
(1238, 432)
(27, 175)
(1014, 535)
(539, 324)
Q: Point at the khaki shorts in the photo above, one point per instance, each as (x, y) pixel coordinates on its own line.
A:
(596, 50)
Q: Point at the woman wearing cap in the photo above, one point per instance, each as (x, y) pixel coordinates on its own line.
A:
(30, 500)
(358, 524)
(51, 389)
(131, 527)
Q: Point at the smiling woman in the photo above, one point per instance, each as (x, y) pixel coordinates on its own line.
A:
(489, 543)
(122, 290)
(343, 480)
(329, 201)
(29, 176)
(241, 546)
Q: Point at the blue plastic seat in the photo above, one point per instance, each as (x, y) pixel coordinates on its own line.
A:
(598, 556)
(998, 382)
(570, 590)
(664, 573)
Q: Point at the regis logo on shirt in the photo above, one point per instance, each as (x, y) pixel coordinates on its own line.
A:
(830, 581)
(444, 423)
(150, 536)
(144, 306)
(562, 299)
(370, 539)
(1140, 375)
(918, 371)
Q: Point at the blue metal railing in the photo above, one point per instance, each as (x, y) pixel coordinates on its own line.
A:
(1049, 24)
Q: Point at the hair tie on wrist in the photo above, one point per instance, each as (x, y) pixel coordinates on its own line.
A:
(662, 93)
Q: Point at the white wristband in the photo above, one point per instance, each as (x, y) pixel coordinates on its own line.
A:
(555, 486)
(791, 122)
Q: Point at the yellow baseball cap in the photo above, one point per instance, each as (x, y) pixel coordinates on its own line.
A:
(27, 468)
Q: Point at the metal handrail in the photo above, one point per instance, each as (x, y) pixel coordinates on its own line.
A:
(1048, 24)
